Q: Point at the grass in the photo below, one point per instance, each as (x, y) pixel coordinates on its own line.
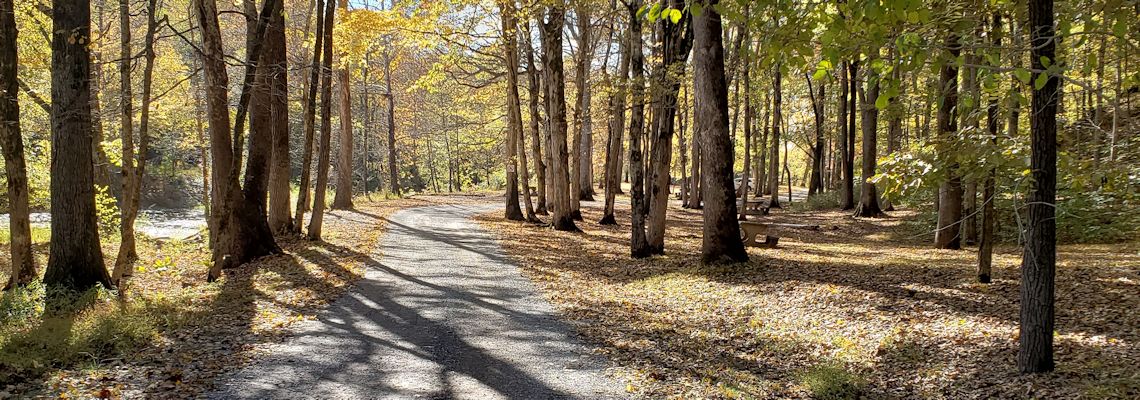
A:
(40, 235)
(168, 333)
(861, 307)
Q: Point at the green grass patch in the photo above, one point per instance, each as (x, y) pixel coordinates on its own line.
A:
(830, 381)
(40, 235)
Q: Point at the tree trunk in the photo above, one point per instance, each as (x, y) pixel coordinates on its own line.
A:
(277, 74)
(1038, 265)
(19, 223)
(676, 41)
(989, 191)
(393, 173)
(323, 154)
(584, 169)
(309, 122)
(777, 118)
(514, 111)
(639, 246)
(342, 199)
(556, 103)
(868, 196)
(744, 177)
(950, 195)
(817, 101)
(129, 204)
(894, 128)
(848, 188)
(721, 234)
(75, 260)
(616, 131)
(535, 136)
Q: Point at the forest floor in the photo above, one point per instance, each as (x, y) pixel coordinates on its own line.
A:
(862, 308)
(174, 334)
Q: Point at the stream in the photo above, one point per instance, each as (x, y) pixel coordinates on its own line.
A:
(156, 223)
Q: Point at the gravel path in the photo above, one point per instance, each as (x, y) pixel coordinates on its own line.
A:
(442, 314)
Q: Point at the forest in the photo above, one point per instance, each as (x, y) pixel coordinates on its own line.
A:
(570, 199)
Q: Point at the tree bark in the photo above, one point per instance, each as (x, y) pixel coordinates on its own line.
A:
(342, 199)
(721, 235)
(514, 110)
(19, 223)
(639, 246)
(848, 171)
(323, 155)
(585, 168)
(868, 196)
(130, 183)
(535, 137)
(676, 41)
(556, 104)
(989, 190)
(394, 174)
(1038, 266)
(616, 130)
(75, 260)
(777, 118)
(817, 101)
(276, 66)
(309, 119)
(950, 195)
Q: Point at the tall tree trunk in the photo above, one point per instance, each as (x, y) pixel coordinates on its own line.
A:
(532, 103)
(742, 191)
(75, 260)
(514, 110)
(639, 246)
(556, 103)
(1038, 265)
(133, 180)
(616, 131)
(849, 163)
(847, 170)
(950, 195)
(309, 119)
(19, 221)
(817, 102)
(676, 41)
(868, 196)
(585, 173)
(777, 120)
(968, 110)
(323, 154)
(130, 186)
(894, 127)
(721, 234)
(762, 149)
(277, 74)
(394, 175)
(989, 190)
(342, 199)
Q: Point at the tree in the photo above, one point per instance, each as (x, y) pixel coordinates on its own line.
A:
(817, 102)
(616, 128)
(721, 235)
(639, 246)
(1038, 265)
(584, 171)
(323, 155)
(19, 224)
(309, 118)
(868, 196)
(514, 110)
(950, 194)
(393, 174)
(276, 81)
(556, 104)
(342, 200)
(846, 136)
(676, 41)
(777, 120)
(989, 190)
(532, 104)
(75, 260)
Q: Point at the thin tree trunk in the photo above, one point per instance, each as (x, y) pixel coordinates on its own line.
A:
(616, 130)
(127, 253)
(393, 173)
(989, 191)
(777, 118)
(19, 221)
(323, 154)
(342, 198)
(514, 111)
(584, 170)
(950, 195)
(532, 104)
(639, 246)
(868, 195)
(309, 122)
(676, 41)
(817, 102)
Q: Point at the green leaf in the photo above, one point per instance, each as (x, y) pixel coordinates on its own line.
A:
(675, 16)
(882, 101)
(1042, 78)
(1023, 75)
(1045, 61)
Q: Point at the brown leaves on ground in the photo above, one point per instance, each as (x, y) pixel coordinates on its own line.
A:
(208, 329)
(862, 308)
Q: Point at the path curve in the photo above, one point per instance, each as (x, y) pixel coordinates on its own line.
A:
(442, 314)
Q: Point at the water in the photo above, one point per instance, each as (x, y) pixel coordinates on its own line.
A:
(158, 224)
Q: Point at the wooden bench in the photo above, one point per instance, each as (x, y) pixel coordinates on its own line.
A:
(750, 231)
(754, 207)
